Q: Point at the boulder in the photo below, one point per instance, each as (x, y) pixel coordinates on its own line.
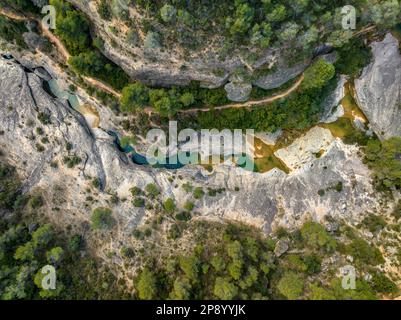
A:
(238, 91)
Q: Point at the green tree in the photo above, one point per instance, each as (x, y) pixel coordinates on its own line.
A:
(384, 159)
(385, 13)
(288, 32)
(55, 255)
(318, 74)
(152, 41)
(152, 190)
(278, 14)
(218, 263)
(291, 286)
(190, 266)
(187, 99)
(316, 236)
(25, 252)
(134, 96)
(147, 286)
(198, 193)
(224, 289)
(181, 289)
(43, 235)
(168, 13)
(72, 27)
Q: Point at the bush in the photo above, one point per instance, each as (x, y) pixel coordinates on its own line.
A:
(44, 118)
(224, 289)
(135, 191)
(102, 219)
(291, 286)
(316, 236)
(384, 159)
(183, 216)
(134, 97)
(152, 190)
(36, 202)
(383, 284)
(43, 235)
(75, 243)
(169, 205)
(374, 223)
(318, 74)
(189, 206)
(198, 193)
(147, 287)
(139, 202)
(364, 252)
(104, 10)
(168, 13)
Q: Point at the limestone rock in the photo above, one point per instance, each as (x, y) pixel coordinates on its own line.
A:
(285, 199)
(281, 76)
(237, 91)
(282, 247)
(378, 90)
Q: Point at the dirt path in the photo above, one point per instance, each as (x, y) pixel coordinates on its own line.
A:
(103, 86)
(252, 103)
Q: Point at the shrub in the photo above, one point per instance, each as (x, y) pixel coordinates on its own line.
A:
(104, 10)
(187, 187)
(364, 252)
(383, 284)
(147, 287)
(134, 97)
(189, 206)
(55, 255)
(318, 74)
(127, 252)
(169, 205)
(224, 289)
(137, 234)
(168, 13)
(183, 216)
(374, 223)
(316, 236)
(44, 118)
(36, 202)
(75, 243)
(384, 159)
(102, 219)
(198, 193)
(152, 190)
(135, 191)
(174, 232)
(397, 211)
(291, 286)
(96, 183)
(43, 235)
(139, 202)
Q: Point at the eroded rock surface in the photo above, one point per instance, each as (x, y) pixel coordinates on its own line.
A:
(260, 200)
(378, 90)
